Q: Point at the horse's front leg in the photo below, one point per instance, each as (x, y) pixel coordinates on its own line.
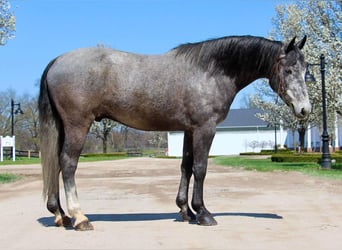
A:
(186, 173)
(202, 140)
(69, 158)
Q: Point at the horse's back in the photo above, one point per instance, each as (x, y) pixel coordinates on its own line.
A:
(105, 83)
(161, 92)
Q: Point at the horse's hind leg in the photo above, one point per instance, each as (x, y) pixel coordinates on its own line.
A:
(186, 173)
(54, 206)
(72, 147)
(53, 201)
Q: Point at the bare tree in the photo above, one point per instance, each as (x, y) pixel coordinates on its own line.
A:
(102, 131)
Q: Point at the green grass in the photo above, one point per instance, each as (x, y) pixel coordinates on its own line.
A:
(24, 160)
(7, 177)
(264, 165)
(101, 158)
(20, 160)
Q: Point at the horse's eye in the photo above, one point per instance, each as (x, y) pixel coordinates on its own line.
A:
(288, 71)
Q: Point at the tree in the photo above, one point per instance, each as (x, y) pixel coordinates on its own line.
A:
(321, 21)
(28, 123)
(277, 113)
(25, 125)
(7, 22)
(102, 131)
(5, 112)
(158, 139)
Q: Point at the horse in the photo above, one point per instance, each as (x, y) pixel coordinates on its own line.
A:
(189, 88)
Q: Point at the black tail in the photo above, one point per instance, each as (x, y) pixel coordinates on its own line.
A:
(50, 137)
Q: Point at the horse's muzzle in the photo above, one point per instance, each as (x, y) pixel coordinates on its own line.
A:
(301, 112)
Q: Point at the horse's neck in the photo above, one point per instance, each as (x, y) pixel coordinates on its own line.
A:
(263, 69)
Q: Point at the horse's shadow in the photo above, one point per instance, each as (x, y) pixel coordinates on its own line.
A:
(49, 221)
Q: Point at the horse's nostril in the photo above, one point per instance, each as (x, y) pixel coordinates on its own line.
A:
(304, 112)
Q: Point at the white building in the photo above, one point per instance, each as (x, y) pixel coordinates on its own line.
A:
(242, 131)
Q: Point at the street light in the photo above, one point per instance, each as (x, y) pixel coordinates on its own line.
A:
(326, 159)
(275, 139)
(14, 112)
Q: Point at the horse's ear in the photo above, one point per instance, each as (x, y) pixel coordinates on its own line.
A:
(301, 43)
(290, 46)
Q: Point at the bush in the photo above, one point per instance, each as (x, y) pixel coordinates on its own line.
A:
(269, 152)
(295, 158)
(115, 154)
(315, 158)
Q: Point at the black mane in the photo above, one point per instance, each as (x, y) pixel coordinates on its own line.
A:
(232, 55)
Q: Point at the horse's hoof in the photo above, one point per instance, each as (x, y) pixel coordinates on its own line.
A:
(84, 226)
(65, 221)
(206, 220)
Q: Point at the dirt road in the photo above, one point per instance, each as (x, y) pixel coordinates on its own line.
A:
(131, 204)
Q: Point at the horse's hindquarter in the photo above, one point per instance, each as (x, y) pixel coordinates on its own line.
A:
(145, 92)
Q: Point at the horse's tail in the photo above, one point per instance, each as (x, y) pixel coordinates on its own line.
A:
(50, 137)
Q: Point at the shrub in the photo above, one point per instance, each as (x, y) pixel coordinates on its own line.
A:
(115, 154)
(314, 157)
(269, 152)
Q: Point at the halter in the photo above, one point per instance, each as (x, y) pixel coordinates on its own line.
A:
(275, 71)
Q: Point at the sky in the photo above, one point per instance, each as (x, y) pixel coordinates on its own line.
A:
(47, 28)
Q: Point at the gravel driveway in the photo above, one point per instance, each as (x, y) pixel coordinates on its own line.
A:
(131, 204)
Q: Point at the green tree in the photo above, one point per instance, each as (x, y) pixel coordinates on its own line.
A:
(7, 22)
(277, 113)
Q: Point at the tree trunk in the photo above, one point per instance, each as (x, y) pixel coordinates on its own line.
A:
(104, 142)
(301, 132)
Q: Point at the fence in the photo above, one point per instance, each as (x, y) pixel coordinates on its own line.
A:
(21, 153)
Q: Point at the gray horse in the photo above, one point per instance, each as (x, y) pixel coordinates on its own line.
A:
(189, 88)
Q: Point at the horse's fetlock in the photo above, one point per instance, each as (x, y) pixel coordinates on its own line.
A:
(52, 207)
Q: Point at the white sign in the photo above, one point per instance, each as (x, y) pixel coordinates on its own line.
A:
(7, 142)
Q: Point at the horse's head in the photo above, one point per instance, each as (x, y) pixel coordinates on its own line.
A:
(287, 78)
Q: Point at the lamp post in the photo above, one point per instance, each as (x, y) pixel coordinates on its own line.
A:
(14, 112)
(326, 159)
(275, 139)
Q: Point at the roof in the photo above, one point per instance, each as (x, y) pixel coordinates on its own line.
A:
(242, 118)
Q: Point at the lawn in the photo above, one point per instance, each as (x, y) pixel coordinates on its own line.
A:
(20, 160)
(7, 177)
(250, 163)
(25, 160)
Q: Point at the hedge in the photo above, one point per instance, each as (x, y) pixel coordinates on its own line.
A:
(316, 158)
(269, 152)
(105, 154)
